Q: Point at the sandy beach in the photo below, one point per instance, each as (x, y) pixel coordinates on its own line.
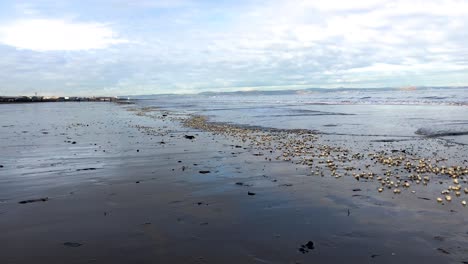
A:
(108, 183)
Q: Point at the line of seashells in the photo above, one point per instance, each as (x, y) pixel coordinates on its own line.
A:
(302, 147)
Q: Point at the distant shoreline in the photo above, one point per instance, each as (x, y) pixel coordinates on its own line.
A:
(38, 99)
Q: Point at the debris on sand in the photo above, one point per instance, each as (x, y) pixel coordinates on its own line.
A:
(204, 171)
(34, 200)
(251, 193)
(189, 137)
(86, 169)
(72, 244)
(306, 247)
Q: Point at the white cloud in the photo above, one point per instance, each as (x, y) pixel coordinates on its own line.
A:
(57, 35)
(276, 44)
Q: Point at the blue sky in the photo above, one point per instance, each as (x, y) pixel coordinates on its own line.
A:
(117, 47)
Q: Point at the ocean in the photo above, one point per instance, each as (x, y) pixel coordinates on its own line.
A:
(391, 114)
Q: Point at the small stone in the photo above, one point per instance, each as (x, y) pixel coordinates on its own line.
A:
(72, 244)
(310, 245)
(34, 200)
(251, 193)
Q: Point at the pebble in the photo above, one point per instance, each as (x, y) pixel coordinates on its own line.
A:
(34, 200)
(72, 244)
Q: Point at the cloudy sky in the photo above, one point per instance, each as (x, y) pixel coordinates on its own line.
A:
(119, 47)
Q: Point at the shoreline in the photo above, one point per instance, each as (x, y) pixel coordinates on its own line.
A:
(54, 99)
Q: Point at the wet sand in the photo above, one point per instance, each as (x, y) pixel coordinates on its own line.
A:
(106, 183)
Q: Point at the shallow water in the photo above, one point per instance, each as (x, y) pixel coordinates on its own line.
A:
(393, 114)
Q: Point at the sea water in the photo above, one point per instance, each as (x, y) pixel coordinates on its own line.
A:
(396, 114)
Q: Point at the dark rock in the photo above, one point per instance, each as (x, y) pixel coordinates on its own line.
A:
(310, 245)
(86, 169)
(250, 193)
(204, 171)
(305, 248)
(34, 200)
(74, 142)
(356, 190)
(1, 166)
(72, 244)
(189, 137)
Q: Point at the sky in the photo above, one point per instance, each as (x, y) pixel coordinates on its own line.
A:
(118, 47)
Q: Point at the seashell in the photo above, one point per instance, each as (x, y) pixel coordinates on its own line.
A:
(463, 203)
(396, 191)
(439, 200)
(448, 198)
(380, 189)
